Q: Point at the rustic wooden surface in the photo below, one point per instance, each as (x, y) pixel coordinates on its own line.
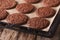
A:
(8, 34)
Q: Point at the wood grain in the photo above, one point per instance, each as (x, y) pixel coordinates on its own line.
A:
(8, 34)
(25, 36)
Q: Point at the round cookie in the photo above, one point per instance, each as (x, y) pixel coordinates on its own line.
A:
(17, 18)
(32, 1)
(25, 8)
(46, 12)
(38, 23)
(7, 4)
(51, 3)
(3, 14)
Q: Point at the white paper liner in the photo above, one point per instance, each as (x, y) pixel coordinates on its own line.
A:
(33, 14)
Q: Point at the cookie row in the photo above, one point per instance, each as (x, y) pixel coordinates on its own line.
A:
(12, 3)
(20, 18)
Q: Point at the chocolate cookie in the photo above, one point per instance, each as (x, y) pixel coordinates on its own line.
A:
(51, 3)
(32, 1)
(25, 8)
(17, 18)
(45, 12)
(7, 4)
(38, 23)
(3, 13)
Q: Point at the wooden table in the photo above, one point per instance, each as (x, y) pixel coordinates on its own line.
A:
(8, 34)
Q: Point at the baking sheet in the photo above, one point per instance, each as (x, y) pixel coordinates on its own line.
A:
(33, 14)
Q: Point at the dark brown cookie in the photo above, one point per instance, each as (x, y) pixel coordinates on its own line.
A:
(51, 3)
(3, 13)
(7, 4)
(45, 12)
(25, 8)
(32, 1)
(17, 18)
(38, 23)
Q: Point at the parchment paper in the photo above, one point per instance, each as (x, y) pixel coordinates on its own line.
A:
(33, 14)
